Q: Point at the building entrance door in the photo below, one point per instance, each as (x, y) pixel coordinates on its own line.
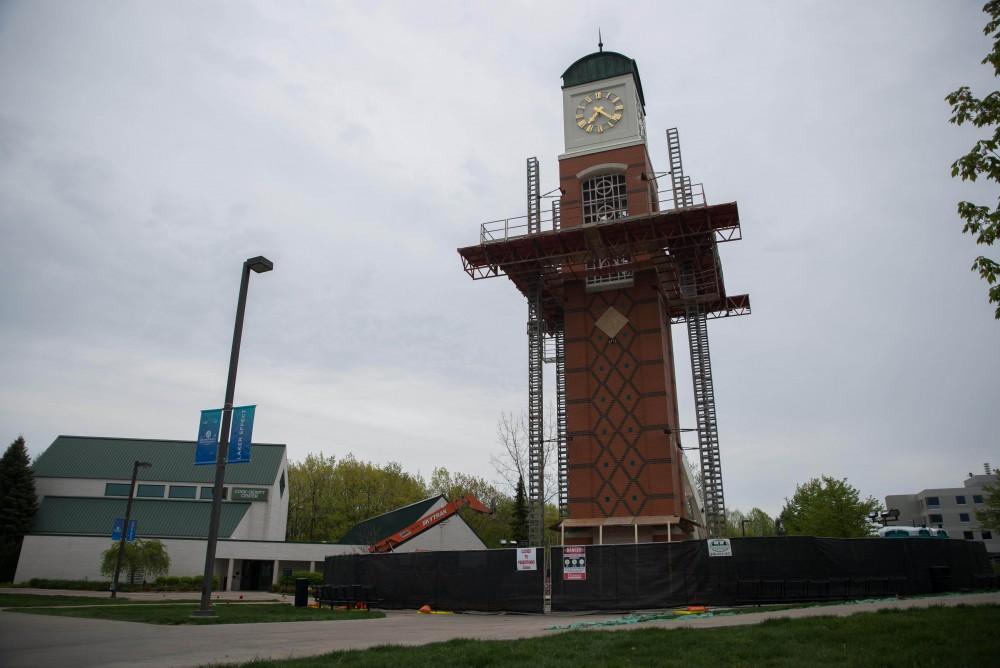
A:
(256, 575)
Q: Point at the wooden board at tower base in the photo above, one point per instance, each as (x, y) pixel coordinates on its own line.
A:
(574, 563)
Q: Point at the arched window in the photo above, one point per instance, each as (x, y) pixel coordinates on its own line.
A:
(604, 198)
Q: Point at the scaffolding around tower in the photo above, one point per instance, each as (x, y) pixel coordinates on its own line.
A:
(674, 239)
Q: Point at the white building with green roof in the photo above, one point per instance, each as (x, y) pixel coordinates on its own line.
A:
(83, 485)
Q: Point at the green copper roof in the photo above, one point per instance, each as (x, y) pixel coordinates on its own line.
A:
(173, 461)
(383, 526)
(602, 65)
(155, 518)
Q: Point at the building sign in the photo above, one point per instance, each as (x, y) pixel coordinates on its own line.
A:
(720, 547)
(574, 563)
(526, 560)
(208, 437)
(248, 494)
(240, 434)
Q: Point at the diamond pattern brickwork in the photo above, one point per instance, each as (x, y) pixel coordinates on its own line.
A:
(620, 458)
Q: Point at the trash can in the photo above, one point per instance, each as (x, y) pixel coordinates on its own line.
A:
(301, 592)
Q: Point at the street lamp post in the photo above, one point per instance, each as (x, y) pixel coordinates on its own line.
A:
(258, 264)
(128, 515)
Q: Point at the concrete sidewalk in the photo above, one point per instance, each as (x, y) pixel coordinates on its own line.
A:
(36, 640)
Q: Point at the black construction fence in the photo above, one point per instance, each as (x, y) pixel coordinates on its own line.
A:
(483, 580)
(662, 575)
(768, 570)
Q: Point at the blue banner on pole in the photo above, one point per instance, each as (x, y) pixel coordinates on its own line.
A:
(208, 437)
(130, 534)
(116, 531)
(240, 434)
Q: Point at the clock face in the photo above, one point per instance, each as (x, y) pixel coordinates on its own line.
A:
(599, 111)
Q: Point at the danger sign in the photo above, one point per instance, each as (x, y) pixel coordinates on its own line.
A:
(526, 560)
(574, 563)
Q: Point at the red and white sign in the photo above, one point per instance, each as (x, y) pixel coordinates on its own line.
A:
(526, 560)
(574, 563)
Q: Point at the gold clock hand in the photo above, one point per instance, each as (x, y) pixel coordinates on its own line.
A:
(597, 110)
(600, 110)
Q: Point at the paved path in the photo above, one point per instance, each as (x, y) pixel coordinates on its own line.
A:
(40, 641)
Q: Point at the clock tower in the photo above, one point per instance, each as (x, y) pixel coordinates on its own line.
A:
(627, 253)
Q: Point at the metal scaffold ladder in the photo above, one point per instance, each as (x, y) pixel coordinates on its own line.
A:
(534, 197)
(704, 404)
(536, 360)
(536, 443)
(562, 456)
(701, 360)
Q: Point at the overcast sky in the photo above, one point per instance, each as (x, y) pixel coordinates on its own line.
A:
(147, 149)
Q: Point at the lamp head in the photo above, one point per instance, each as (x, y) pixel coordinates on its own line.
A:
(260, 264)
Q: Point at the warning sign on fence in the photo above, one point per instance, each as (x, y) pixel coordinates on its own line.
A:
(526, 559)
(574, 563)
(720, 547)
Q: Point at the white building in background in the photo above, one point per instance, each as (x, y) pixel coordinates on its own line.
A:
(83, 484)
(950, 508)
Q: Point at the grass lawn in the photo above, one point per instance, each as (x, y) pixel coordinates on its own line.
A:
(226, 613)
(955, 636)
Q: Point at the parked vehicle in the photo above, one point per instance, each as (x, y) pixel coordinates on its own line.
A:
(912, 532)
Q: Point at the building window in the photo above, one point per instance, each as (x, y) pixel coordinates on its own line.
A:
(206, 492)
(604, 198)
(183, 492)
(960, 500)
(967, 535)
(987, 535)
(281, 485)
(151, 491)
(963, 517)
(116, 489)
(933, 502)
(977, 498)
(934, 519)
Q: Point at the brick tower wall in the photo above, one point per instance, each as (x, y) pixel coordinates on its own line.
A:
(621, 392)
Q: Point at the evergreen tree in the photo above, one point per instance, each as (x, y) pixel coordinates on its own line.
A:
(18, 504)
(519, 526)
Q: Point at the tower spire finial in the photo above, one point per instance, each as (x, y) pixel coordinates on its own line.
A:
(600, 41)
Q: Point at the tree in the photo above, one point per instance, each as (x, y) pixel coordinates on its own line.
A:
(145, 557)
(755, 523)
(828, 506)
(512, 462)
(519, 521)
(982, 160)
(989, 517)
(490, 528)
(327, 497)
(310, 484)
(18, 504)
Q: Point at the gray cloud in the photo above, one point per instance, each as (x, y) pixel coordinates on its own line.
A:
(146, 149)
